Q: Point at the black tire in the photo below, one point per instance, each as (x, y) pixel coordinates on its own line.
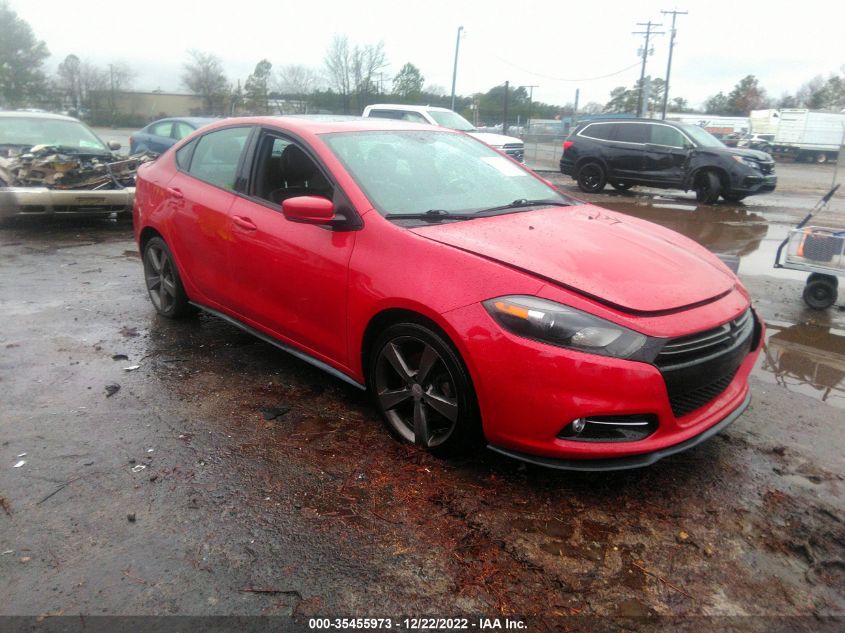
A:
(591, 177)
(441, 402)
(708, 187)
(621, 186)
(163, 282)
(828, 278)
(819, 293)
(734, 197)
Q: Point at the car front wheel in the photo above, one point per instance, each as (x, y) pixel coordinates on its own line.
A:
(707, 187)
(163, 283)
(591, 178)
(423, 390)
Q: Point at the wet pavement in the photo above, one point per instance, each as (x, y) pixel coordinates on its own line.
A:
(226, 477)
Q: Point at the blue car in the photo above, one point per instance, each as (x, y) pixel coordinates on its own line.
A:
(159, 135)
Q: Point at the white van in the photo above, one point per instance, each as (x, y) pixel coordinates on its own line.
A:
(444, 117)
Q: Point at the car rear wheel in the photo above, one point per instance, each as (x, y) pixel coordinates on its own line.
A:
(707, 187)
(621, 186)
(163, 283)
(591, 178)
(820, 291)
(423, 390)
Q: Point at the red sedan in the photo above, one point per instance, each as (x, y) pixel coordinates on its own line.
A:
(475, 301)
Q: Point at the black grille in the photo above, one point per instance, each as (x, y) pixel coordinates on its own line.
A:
(699, 367)
(683, 403)
(767, 168)
(517, 150)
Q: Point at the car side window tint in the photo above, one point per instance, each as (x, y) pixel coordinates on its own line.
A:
(284, 170)
(181, 130)
(217, 154)
(665, 135)
(414, 117)
(162, 129)
(634, 133)
(183, 155)
(386, 114)
(602, 131)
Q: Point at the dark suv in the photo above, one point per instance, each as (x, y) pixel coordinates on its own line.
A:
(632, 152)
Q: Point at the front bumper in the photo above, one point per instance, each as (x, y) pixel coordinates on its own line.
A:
(755, 184)
(529, 391)
(20, 201)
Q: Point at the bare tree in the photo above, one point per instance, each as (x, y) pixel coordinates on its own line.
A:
(338, 61)
(298, 81)
(204, 77)
(69, 81)
(353, 70)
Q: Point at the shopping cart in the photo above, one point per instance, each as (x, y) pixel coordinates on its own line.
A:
(819, 251)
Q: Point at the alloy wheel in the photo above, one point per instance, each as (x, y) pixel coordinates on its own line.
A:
(161, 278)
(416, 391)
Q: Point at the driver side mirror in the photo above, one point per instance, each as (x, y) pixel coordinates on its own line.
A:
(308, 209)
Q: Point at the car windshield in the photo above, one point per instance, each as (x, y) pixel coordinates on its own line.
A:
(702, 137)
(451, 120)
(437, 172)
(68, 135)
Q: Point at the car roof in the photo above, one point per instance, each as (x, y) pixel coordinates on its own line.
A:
(325, 124)
(195, 120)
(412, 108)
(36, 115)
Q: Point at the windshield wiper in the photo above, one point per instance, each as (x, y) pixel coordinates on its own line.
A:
(522, 203)
(432, 215)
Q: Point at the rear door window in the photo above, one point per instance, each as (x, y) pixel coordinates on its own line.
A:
(602, 131)
(217, 155)
(633, 132)
(162, 129)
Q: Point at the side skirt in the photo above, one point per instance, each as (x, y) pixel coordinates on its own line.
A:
(282, 346)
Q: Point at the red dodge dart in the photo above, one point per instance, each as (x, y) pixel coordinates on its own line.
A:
(472, 299)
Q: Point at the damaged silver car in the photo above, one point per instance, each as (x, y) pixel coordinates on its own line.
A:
(56, 165)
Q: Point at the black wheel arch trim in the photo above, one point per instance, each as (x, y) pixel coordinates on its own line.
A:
(630, 461)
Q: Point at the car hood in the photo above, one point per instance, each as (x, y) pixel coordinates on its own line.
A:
(623, 262)
(495, 140)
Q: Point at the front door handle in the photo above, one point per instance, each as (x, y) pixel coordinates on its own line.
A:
(176, 193)
(245, 223)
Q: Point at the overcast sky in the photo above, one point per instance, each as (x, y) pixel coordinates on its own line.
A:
(558, 46)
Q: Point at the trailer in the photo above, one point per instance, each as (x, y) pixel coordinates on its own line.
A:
(802, 134)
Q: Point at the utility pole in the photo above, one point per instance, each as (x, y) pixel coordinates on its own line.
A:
(530, 103)
(675, 14)
(505, 115)
(455, 67)
(648, 33)
(111, 92)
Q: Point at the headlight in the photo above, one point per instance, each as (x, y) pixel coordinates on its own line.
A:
(560, 325)
(748, 162)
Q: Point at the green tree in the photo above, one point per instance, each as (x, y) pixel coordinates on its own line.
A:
(21, 59)
(622, 99)
(717, 104)
(747, 95)
(408, 82)
(257, 88)
(203, 75)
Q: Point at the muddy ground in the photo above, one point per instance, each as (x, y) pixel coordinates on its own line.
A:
(270, 488)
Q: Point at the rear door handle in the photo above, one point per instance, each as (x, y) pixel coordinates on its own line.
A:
(176, 193)
(245, 223)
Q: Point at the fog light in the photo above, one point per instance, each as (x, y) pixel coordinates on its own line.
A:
(610, 428)
(578, 425)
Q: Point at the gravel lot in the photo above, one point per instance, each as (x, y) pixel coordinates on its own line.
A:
(317, 511)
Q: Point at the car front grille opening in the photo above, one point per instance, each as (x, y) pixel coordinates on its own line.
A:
(686, 402)
(703, 344)
(610, 428)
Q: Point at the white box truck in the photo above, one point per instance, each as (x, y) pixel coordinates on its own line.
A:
(803, 134)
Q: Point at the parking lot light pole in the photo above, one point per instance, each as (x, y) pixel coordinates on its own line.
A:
(455, 66)
(675, 14)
